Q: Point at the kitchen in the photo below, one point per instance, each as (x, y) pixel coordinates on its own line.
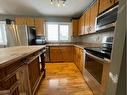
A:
(62, 47)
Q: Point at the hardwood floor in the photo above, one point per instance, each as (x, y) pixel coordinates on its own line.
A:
(63, 79)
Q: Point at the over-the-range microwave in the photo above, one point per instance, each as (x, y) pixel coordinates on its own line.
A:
(107, 19)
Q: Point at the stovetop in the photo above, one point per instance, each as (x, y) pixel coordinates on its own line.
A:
(100, 52)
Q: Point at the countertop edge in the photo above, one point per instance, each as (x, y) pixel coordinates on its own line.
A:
(20, 57)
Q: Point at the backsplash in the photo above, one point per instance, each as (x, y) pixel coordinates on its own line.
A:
(93, 38)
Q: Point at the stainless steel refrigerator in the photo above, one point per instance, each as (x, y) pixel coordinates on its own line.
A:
(19, 35)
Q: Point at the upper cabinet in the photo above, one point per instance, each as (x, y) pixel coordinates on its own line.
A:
(75, 24)
(40, 26)
(87, 21)
(81, 25)
(93, 15)
(90, 18)
(30, 21)
(20, 20)
(105, 4)
(24, 21)
(39, 23)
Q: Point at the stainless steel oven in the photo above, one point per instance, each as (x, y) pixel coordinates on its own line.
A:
(94, 64)
(107, 19)
(97, 62)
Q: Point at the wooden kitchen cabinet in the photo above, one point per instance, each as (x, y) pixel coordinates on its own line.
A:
(39, 23)
(20, 20)
(34, 73)
(81, 25)
(24, 21)
(81, 61)
(55, 54)
(75, 25)
(87, 21)
(93, 15)
(90, 18)
(40, 26)
(67, 53)
(30, 21)
(22, 74)
(105, 4)
(61, 54)
(79, 58)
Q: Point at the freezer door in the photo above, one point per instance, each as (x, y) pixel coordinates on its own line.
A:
(11, 36)
(22, 35)
(16, 35)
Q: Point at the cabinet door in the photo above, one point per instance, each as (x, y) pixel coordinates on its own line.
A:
(77, 57)
(39, 24)
(67, 53)
(74, 54)
(79, 30)
(81, 60)
(30, 21)
(82, 24)
(75, 27)
(87, 21)
(94, 13)
(20, 21)
(34, 73)
(55, 54)
(105, 4)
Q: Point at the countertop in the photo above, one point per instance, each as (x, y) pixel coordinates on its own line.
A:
(80, 45)
(11, 54)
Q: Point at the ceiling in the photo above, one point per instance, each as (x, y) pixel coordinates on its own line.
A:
(73, 8)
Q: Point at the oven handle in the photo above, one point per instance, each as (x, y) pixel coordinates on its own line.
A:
(105, 60)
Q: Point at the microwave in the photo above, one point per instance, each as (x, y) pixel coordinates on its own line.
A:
(107, 19)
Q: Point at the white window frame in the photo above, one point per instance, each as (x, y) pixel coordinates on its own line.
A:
(60, 23)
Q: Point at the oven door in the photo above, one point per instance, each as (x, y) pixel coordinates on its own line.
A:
(95, 66)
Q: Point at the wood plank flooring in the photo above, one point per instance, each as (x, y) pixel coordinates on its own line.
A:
(63, 79)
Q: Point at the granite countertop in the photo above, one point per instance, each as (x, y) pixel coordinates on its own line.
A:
(11, 54)
(80, 45)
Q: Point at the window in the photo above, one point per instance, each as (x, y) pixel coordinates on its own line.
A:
(3, 39)
(64, 32)
(58, 31)
(52, 32)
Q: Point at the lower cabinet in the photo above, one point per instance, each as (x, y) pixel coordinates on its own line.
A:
(34, 73)
(61, 54)
(79, 58)
(22, 77)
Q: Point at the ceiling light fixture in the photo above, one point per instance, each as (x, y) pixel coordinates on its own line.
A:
(58, 3)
